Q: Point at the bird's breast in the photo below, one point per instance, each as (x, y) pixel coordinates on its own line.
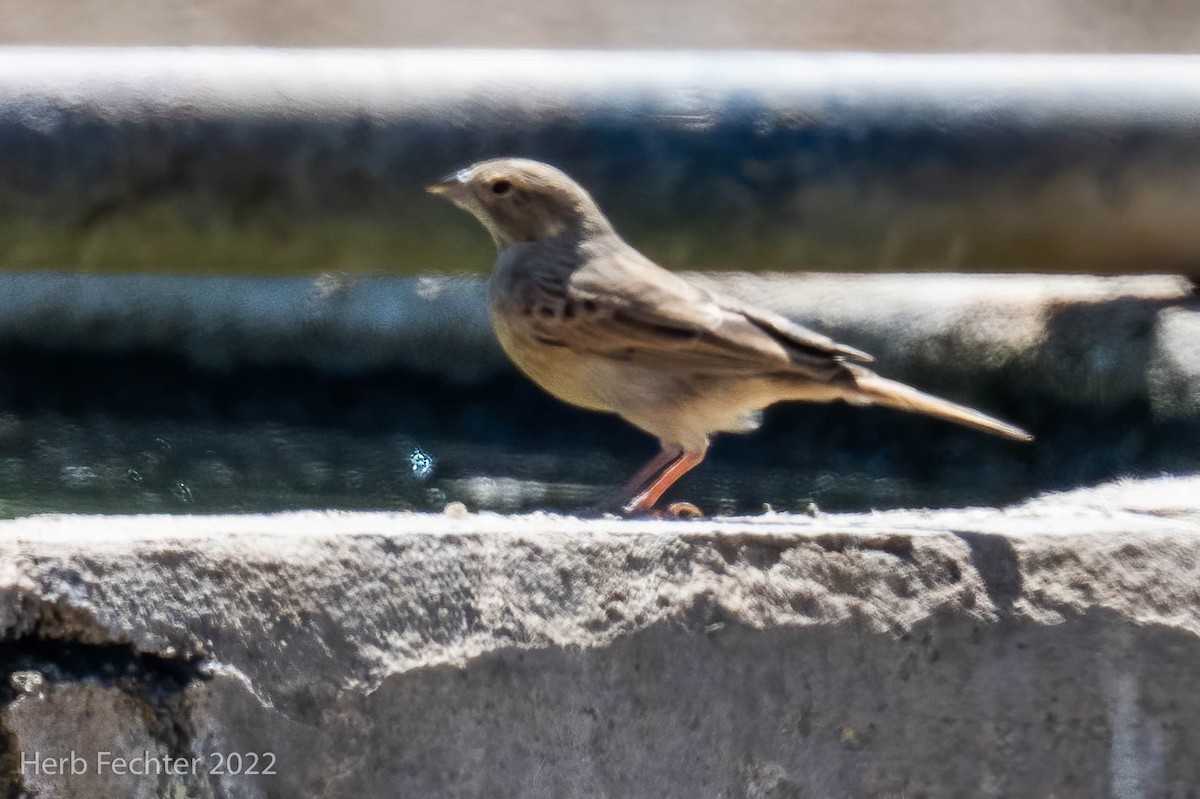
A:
(571, 377)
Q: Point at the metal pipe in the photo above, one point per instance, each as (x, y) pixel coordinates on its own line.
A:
(229, 161)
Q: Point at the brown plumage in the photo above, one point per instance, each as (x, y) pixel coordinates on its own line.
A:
(599, 325)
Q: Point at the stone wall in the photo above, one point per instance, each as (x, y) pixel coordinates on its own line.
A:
(1045, 650)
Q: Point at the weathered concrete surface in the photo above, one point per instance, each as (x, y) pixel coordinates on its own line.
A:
(1045, 650)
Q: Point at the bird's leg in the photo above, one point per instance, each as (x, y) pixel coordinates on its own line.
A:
(638, 484)
(680, 464)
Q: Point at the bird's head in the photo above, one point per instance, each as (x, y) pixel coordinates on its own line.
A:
(519, 200)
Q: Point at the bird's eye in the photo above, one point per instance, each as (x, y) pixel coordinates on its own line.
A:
(501, 187)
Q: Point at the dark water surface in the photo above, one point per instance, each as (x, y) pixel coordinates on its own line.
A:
(147, 433)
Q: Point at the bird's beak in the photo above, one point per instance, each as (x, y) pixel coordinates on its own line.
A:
(449, 186)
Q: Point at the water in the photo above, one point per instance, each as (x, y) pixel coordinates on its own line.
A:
(147, 433)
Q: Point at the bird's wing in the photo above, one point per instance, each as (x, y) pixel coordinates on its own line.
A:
(625, 307)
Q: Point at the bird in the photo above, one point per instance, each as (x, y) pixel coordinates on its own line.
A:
(598, 325)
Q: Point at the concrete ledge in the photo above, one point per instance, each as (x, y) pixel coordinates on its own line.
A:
(1048, 649)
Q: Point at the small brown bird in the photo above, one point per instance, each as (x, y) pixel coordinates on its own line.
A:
(597, 324)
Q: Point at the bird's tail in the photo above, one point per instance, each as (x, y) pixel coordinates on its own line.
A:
(876, 390)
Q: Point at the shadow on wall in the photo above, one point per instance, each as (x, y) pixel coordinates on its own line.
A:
(738, 711)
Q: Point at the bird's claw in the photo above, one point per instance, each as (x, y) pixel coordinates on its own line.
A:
(682, 510)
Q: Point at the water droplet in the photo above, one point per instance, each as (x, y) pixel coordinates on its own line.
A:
(26, 682)
(78, 476)
(182, 492)
(422, 463)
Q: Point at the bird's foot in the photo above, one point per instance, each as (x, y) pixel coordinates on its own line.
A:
(676, 510)
(683, 510)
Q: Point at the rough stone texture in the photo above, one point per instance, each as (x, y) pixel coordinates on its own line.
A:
(1044, 650)
(91, 726)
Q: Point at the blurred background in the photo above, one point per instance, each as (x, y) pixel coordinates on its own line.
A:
(1131, 26)
(223, 290)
